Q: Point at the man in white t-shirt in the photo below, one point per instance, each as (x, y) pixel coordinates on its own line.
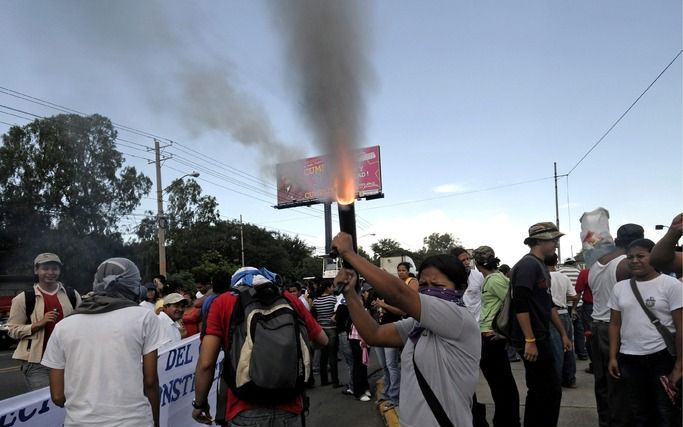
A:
(170, 315)
(103, 358)
(613, 411)
(563, 294)
(475, 280)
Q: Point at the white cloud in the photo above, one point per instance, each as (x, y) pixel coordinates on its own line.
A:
(448, 188)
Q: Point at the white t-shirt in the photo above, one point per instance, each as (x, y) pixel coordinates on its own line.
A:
(169, 328)
(101, 355)
(447, 355)
(472, 296)
(560, 287)
(661, 295)
(148, 305)
(601, 279)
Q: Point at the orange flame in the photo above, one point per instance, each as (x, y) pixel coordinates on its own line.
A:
(345, 179)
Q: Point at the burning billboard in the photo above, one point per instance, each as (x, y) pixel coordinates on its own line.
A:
(308, 181)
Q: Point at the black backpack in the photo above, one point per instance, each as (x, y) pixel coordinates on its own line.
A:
(268, 359)
(31, 300)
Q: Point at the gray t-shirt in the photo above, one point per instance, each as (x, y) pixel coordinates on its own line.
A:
(448, 353)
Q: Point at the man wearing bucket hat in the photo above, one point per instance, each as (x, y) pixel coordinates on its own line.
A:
(51, 302)
(103, 358)
(534, 311)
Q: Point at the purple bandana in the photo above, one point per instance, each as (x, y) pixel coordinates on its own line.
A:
(445, 294)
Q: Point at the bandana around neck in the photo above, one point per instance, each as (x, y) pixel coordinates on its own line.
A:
(450, 295)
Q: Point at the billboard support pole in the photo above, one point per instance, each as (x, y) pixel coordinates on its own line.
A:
(328, 227)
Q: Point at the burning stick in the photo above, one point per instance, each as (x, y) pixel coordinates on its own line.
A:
(347, 224)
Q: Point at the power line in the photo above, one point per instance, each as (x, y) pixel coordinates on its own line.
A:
(462, 193)
(625, 112)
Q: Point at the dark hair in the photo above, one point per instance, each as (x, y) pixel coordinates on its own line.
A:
(161, 278)
(458, 250)
(551, 260)
(202, 277)
(504, 268)
(450, 266)
(629, 233)
(531, 242)
(296, 285)
(221, 281)
(492, 264)
(642, 243)
(405, 264)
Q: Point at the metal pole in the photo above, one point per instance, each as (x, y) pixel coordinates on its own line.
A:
(242, 239)
(557, 215)
(161, 223)
(328, 226)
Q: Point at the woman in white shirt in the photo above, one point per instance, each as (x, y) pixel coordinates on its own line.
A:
(639, 358)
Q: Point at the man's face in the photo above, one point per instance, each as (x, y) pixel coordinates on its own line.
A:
(175, 311)
(158, 284)
(202, 287)
(294, 291)
(47, 273)
(465, 258)
(150, 294)
(548, 247)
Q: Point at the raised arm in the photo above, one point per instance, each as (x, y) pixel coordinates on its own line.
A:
(391, 288)
(664, 256)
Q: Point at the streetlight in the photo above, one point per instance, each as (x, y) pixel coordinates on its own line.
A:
(366, 235)
(161, 220)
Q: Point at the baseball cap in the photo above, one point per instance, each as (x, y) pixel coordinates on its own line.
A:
(570, 260)
(543, 231)
(483, 255)
(174, 298)
(47, 257)
(630, 232)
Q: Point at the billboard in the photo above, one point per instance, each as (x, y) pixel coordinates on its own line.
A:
(307, 181)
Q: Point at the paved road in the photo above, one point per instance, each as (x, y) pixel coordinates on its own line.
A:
(329, 408)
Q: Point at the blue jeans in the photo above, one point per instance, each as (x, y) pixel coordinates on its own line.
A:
(36, 375)
(265, 417)
(640, 377)
(345, 350)
(390, 360)
(565, 361)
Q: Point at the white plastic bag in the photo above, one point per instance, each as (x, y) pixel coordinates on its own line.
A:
(595, 236)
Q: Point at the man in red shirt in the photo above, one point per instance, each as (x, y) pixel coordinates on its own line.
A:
(585, 312)
(241, 412)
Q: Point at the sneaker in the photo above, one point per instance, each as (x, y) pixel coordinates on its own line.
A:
(348, 391)
(367, 393)
(364, 398)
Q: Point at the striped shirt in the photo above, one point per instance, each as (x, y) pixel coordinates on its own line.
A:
(324, 306)
(571, 272)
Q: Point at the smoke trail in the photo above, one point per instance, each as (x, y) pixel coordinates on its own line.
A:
(326, 43)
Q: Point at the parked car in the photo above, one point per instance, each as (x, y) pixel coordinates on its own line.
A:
(5, 341)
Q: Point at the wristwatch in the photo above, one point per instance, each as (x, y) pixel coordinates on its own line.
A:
(204, 407)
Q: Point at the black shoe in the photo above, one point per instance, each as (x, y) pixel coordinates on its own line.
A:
(582, 357)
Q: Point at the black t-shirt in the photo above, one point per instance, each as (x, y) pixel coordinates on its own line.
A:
(531, 273)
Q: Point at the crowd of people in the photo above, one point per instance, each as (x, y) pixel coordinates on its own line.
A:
(432, 331)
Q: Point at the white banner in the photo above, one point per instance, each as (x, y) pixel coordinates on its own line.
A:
(176, 365)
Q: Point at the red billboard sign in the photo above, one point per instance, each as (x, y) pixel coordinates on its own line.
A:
(307, 181)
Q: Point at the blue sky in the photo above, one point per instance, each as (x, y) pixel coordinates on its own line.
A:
(465, 96)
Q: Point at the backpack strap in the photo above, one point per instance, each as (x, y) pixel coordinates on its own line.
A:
(30, 296)
(432, 401)
(71, 293)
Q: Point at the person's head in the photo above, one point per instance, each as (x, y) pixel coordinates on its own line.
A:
(175, 305)
(543, 238)
(220, 282)
(464, 257)
(152, 293)
(202, 282)
(119, 278)
(485, 258)
(326, 287)
(638, 256)
(570, 262)
(159, 282)
(442, 271)
(47, 266)
(505, 269)
(403, 270)
(628, 233)
(294, 288)
(254, 277)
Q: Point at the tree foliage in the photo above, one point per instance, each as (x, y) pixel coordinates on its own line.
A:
(63, 186)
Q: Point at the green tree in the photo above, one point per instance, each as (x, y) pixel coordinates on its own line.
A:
(62, 185)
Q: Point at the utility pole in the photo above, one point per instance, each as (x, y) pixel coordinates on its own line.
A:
(161, 221)
(242, 239)
(557, 215)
